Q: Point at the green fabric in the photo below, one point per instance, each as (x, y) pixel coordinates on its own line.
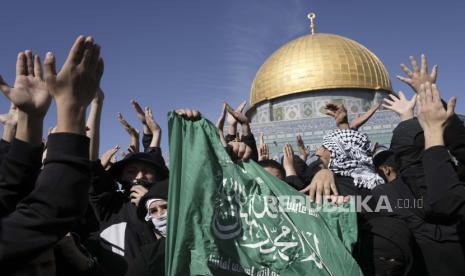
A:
(223, 218)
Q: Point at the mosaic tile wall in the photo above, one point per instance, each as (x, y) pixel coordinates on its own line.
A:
(302, 114)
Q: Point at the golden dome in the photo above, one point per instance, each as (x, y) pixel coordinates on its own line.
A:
(318, 61)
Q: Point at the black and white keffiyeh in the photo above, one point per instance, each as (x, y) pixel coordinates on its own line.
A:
(350, 156)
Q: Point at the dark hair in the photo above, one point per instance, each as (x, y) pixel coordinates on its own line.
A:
(273, 164)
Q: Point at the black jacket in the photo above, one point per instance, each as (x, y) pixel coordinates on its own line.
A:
(19, 169)
(58, 200)
(122, 234)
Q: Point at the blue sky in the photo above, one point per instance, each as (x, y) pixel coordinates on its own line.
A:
(198, 53)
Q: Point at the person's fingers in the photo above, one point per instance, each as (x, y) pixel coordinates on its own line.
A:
(240, 108)
(333, 188)
(49, 67)
(388, 106)
(414, 63)
(389, 102)
(414, 99)
(406, 80)
(38, 67)
(188, 113)
(428, 93)
(434, 73)
(21, 65)
(406, 70)
(312, 192)
(424, 65)
(262, 139)
(88, 52)
(195, 114)
(318, 194)
(402, 95)
(394, 97)
(77, 50)
(94, 57)
(100, 69)
(137, 106)
(220, 122)
(451, 106)
(181, 112)
(435, 93)
(247, 154)
(4, 87)
(29, 62)
(330, 113)
(327, 189)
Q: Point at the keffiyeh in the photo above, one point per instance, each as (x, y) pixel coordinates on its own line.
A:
(350, 152)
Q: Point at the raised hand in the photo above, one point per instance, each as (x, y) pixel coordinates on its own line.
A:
(10, 118)
(323, 184)
(263, 151)
(239, 151)
(153, 127)
(79, 78)
(190, 114)
(339, 113)
(106, 158)
(232, 121)
(288, 160)
(75, 85)
(238, 117)
(401, 105)
(303, 151)
(9, 121)
(419, 75)
(133, 133)
(432, 115)
(360, 120)
(29, 92)
(141, 116)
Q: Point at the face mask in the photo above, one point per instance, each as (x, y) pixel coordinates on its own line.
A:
(160, 224)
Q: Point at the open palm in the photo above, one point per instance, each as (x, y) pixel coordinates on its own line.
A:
(29, 92)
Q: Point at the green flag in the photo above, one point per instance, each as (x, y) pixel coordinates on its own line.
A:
(227, 218)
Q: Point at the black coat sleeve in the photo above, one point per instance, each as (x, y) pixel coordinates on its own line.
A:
(445, 194)
(18, 173)
(454, 138)
(4, 149)
(295, 182)
(102, 190)
(58, 200)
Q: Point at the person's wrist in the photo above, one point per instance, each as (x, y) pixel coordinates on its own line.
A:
(29, 128)
(71, 119)
(406, 115)
(289, 170)
(434, 136)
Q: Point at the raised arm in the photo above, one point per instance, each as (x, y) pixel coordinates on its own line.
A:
(445, 193)
(339, 113)
(93, 122)
(23, 162)
(133, 133)
(9, 122)
(59, 198)
(401, 105)
(154, 129)
(418, 75)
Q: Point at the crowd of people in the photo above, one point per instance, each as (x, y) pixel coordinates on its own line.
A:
(65, 210)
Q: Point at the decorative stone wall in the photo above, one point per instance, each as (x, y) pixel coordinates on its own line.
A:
(282, 119)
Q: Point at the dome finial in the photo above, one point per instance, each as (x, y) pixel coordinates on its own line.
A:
(312, 16)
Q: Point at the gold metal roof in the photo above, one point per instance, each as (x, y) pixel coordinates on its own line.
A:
(318, 61)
